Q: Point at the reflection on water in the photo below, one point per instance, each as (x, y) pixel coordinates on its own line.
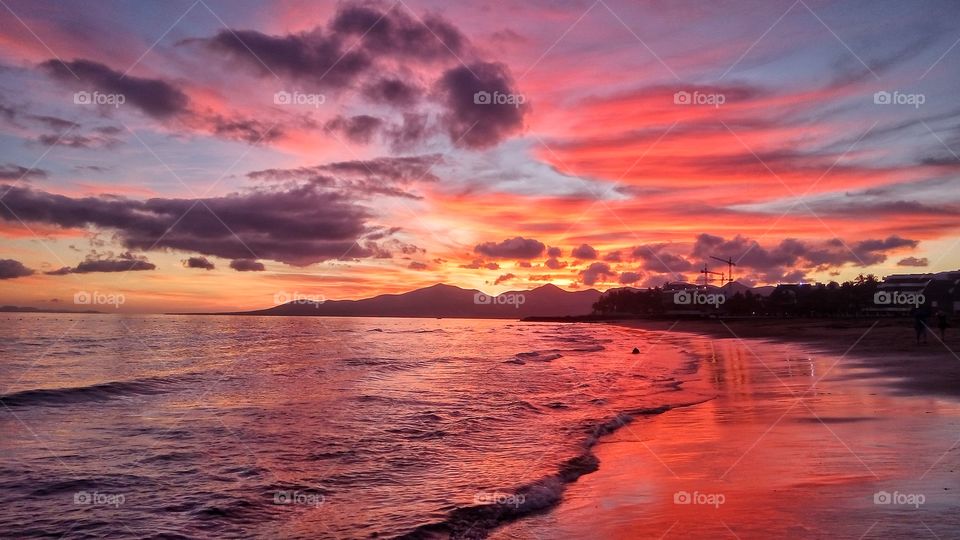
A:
(309, 427)
(795, 445)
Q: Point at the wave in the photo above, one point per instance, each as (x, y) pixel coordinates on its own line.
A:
(479, 520)
(94, 392)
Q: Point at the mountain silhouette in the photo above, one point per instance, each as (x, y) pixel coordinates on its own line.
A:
(443, 300)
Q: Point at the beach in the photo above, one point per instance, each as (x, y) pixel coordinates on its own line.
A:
(807, 438)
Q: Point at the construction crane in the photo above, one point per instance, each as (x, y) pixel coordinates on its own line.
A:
(707, 273)
(730, 265)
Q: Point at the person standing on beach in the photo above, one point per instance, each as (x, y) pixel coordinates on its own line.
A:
(920, 324)
(942, 324)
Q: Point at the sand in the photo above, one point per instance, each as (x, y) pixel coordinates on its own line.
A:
(803, 439)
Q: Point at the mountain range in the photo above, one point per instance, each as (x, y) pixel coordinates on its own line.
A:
(443, 300)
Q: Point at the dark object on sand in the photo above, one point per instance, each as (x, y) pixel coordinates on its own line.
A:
(942, 323)
(636, 351)
(920, 315)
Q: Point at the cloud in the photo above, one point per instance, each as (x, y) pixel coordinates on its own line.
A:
(504, 278)
(388, 176)
(247, 265)
(656, 258)
(394, 33)
(477, 264)
(358, 129)
(315, 56)
(414, 265)
(627, 278)
(790, 259)
(554, 252)
(514, 248)
(9, 171)
(354, 41)
(584, 252)
(597, 271)
(554, 264)
(407, 134)
(198, 262)
(298, 225)
(11, 269)
(238, 128)
(479, 125)
(392, 91)
(913, 261)
(125, 262)
(154, 97)
(613, 256)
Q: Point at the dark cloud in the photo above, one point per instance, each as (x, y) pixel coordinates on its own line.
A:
(613, 256)
(414, 265)
(913, 261)
(504, 278)
(554, 264)
(336, 56)
(154, 97)
(388, 176)
(297, 225)
(201, 263)
(627, 278)
(554, 252)
(393, 92)
(91, 168)
(10, 269)
(243, 129)
(407, 134)
(247, 265)
(125, 262)
(53, 122)
(791, 259)
(479, 125)
(395, 33)
(477, 264)
(358, 129)
(315, 56)
(514, 248)
(89, 141)
(597, 271)
(656, 258)
(584, 252)
(9, 171)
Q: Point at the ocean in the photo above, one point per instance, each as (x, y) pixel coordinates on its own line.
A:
(310, 427)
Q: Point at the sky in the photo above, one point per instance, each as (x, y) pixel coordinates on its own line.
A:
(196, 156)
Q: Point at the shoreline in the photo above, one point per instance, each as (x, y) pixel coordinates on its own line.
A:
(882, 348)
(865, 426)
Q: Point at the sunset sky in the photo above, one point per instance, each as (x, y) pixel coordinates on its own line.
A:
(238, 151)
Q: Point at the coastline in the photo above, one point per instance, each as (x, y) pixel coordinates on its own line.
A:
(882, 348)
(804, 435)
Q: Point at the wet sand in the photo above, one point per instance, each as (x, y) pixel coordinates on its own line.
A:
(800, 441)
